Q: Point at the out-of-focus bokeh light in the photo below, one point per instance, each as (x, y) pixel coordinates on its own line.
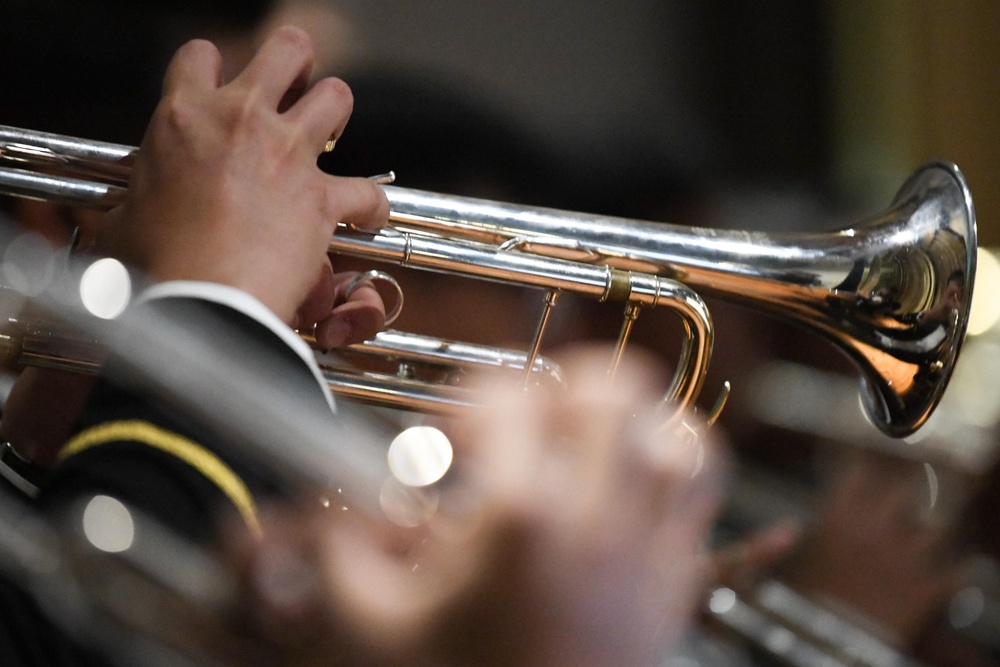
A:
(420, 455)
(108, 524)
(105, 288)
(966, 607)
(722, 600)
(985, 303)
(932, 485)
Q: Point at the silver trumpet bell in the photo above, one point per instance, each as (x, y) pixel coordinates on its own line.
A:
(892, 292)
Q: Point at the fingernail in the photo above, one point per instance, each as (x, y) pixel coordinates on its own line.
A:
(336, 332)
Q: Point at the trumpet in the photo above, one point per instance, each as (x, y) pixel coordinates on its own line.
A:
(892, 292)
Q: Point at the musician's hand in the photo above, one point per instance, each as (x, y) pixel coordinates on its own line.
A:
(337, 318)
(41, 411)
(883, 546)
(225, 187)
(571, 537)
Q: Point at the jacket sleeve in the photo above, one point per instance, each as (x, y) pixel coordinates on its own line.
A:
(136, 444)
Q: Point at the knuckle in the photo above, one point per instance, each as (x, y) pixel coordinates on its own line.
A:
(248, 113)
(196, 48)
(335, 98)
(176, 113)
(338, 91)
(245, 119)
(295, 37)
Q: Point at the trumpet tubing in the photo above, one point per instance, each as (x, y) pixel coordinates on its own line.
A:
(893, 292)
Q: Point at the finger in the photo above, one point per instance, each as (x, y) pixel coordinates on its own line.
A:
(657, 462)
(738, 563)
(375, 597)
(602, 422)
(196, 65)
(285, 596)
(356, 201)
(323, 111)
(281, 68)
(320, 300)
(359, 318)
(498, 444)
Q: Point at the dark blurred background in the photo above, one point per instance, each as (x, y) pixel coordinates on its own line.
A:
(772, 105)
(838, 99)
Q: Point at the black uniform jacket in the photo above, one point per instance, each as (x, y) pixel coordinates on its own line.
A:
(142, 448)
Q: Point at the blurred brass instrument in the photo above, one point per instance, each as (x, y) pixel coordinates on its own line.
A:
(892, 293)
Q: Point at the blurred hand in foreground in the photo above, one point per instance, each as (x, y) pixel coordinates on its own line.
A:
(883, 547)
(571, 535)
